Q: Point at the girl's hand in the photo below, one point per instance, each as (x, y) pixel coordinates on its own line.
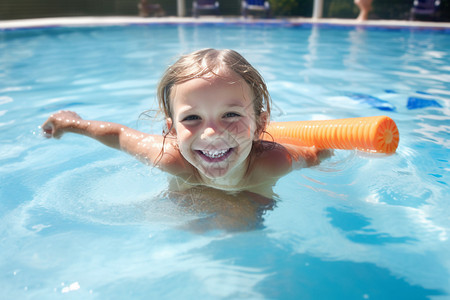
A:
(56, 124)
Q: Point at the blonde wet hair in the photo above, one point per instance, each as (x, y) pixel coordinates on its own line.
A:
(207, 63)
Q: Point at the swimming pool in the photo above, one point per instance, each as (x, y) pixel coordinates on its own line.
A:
(79, 220)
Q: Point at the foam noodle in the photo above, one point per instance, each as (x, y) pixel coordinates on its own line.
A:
(371, 134)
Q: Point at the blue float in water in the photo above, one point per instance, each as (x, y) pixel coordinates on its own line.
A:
(390, 91)
(415, 103)
(423, 93)
(373, 101)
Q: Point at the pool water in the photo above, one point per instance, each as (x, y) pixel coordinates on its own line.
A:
(81, 221)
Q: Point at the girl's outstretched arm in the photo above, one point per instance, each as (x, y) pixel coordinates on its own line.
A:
(145, 147)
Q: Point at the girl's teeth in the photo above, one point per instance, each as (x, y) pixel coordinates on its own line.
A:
(215, 154)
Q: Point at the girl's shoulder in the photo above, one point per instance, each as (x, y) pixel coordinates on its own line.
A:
(170, 160)
(272, 158)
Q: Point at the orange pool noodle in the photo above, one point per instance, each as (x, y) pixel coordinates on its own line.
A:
(371, 134)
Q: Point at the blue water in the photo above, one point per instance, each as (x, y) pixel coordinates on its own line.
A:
(81, 221)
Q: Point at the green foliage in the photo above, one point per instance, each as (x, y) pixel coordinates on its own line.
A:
(283, 7)
(391, 9)
(291, 7)
(340, 9)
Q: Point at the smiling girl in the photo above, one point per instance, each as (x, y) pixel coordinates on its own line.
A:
(216, 107)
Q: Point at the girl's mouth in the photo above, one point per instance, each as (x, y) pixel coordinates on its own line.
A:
(215, 155)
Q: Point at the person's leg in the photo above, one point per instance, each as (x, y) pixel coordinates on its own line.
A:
(364, 8)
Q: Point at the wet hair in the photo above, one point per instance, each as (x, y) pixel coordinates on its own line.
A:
(207, 63)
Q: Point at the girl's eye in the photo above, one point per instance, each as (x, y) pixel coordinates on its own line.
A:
(191, 118)
(231, 115)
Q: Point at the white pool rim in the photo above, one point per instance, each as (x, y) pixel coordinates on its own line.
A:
(121, 20)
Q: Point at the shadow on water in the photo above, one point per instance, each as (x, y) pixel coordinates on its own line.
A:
(353, 224)
(219, 210)
(302, 276)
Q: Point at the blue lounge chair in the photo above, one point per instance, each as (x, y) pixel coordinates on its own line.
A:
(256, 6)
(205, 5)
(428, 8)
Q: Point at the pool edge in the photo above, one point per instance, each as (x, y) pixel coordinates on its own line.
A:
(119, 20)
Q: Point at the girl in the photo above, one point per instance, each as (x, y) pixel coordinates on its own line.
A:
(216, 107)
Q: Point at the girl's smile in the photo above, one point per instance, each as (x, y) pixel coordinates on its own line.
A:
(215, 155)
(215, 125)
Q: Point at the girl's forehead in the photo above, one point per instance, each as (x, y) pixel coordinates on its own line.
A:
(224, 79)
(223, 76)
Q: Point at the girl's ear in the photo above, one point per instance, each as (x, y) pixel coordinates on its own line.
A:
(261, 124)
(170, 128)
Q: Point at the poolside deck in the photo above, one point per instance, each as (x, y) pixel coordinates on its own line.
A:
(120, 20)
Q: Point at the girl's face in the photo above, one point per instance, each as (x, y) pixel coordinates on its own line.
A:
(215, 123)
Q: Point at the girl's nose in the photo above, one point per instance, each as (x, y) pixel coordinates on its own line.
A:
(208, 132)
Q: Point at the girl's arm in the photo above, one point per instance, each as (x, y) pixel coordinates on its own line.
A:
(306, 156)
(146, 147)
(110, 134)
(279, 159)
